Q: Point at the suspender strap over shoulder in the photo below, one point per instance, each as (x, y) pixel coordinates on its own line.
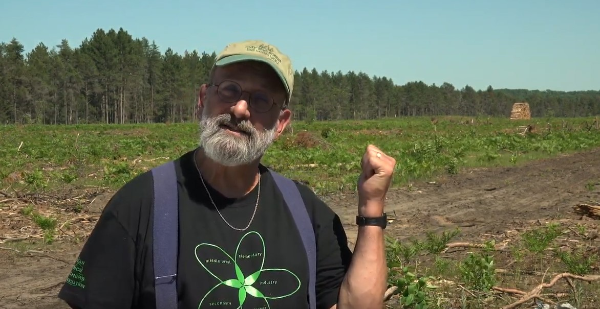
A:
(165, 235)
(295, 203)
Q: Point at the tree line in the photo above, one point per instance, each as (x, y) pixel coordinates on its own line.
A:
(114, 78)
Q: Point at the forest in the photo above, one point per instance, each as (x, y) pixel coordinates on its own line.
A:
(114, 78)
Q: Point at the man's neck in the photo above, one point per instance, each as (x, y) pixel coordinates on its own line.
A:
(230, 181)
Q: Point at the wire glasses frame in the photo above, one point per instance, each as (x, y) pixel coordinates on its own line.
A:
(231, 92)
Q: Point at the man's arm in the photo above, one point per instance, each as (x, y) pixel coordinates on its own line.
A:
(103, 276)
(366, 280)
(358, 280)
(349, 280)
(345, 279)
(72, 306)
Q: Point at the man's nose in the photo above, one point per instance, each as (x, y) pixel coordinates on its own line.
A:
(240, 109)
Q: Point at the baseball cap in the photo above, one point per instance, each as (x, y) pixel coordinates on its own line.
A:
(258, 50)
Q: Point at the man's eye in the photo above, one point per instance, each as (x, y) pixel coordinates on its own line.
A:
(230, 91)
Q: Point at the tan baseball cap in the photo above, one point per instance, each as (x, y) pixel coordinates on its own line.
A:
(260, 51)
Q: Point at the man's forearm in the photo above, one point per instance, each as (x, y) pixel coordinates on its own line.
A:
(366, 279)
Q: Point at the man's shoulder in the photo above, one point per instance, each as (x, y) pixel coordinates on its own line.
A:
(314, 203)
(131, 199)
(141, 186)
(138, 187)
(305, 191)
(315, 206)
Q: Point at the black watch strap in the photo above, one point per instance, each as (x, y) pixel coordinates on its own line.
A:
(372, 221)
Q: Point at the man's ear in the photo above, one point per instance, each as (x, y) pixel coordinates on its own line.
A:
(202, 96)
(201, 100)
(285, 116)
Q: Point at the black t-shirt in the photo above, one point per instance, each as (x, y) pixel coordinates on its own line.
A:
(115, 270)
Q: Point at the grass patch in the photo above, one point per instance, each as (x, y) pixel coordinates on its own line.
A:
(324, 155)
(429, 275)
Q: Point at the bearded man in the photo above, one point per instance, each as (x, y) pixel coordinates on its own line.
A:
(237, 238)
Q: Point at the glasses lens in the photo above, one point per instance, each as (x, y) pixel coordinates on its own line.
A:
(230, 91)
(261, 101)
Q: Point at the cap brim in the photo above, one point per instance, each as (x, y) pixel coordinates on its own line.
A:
(239, 58)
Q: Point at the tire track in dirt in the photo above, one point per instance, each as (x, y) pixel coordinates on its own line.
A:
(488, 200)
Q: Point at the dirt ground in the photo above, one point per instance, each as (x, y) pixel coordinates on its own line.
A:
(488, 200)
(481, 202)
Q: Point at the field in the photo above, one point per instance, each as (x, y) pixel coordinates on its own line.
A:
(482, 210)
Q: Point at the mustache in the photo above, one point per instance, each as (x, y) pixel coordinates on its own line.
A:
(228, 121)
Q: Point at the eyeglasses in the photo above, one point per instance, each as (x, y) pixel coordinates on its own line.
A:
(231, 92)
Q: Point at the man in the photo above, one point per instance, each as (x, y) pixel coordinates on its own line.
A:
(238, 247)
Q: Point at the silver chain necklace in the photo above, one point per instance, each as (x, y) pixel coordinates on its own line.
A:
(215, 205)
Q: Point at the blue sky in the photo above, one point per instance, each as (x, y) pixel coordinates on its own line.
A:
(533, 44)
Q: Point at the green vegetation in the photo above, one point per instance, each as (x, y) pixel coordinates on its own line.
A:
(325, 155)
(47, 224)
(459, 279)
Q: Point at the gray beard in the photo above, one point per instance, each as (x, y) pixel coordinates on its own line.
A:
(228, 149)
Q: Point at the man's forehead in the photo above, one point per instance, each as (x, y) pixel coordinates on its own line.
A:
(249, 70)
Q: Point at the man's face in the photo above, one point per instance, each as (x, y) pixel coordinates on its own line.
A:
(233, 131)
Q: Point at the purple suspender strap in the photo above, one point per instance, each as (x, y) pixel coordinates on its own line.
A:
(295, 203)
(165, 235)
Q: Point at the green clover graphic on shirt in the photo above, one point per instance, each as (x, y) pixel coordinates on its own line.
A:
(244, 280)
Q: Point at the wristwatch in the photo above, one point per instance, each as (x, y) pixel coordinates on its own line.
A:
(372, 221)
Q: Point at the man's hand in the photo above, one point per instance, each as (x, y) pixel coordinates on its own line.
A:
(374, 181)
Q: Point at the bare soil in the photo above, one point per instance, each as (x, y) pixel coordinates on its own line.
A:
(485, 204)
